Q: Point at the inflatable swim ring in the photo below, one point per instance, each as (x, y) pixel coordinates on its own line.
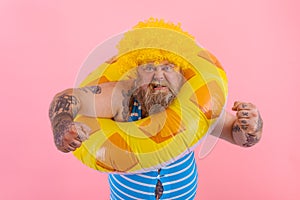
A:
(157, 140)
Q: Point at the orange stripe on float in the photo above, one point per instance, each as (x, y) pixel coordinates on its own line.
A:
(210, 99)
(103, 79)
(116, 155)
(91, 122)
(210, 58)
(188, 73)
(172, 126)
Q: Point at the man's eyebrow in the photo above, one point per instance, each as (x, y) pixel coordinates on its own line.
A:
(173, 66)
(168, 64)
(160, 65)
(147, 65)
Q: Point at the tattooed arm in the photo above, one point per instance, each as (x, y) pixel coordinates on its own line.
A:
(68, 135)
(244, 129)
(61, 113)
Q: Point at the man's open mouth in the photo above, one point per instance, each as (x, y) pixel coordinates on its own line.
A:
(159, 87)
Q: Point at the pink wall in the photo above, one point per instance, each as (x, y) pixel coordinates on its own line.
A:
(43, 44)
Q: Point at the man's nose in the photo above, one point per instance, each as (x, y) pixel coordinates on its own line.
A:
(158, 75)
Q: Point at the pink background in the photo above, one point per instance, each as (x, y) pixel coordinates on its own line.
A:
(44, 43)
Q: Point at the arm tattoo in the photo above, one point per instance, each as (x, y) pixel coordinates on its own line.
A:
(94, 89)
(61, 123)
(244, 127)
(245, 114)
(62, 110)
(64, 103)
(251, 140)
(236, 128)
(243, 121)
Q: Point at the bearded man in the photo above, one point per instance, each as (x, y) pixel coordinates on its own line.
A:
(152, 91)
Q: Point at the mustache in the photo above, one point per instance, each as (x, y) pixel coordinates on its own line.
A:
(152, 102)
(155, 84)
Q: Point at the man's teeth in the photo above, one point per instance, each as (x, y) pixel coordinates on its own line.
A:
(158, 86)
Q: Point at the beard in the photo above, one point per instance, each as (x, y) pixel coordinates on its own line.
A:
(153, 101)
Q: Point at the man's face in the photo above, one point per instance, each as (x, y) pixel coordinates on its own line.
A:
(163, 78)
(158, 85)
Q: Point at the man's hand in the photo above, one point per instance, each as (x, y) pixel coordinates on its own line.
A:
(247, 128)
(69, 135)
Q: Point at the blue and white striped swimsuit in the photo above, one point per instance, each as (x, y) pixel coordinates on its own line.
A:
(179, 179)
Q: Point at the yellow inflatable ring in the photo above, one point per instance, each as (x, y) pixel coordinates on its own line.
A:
(155, 141)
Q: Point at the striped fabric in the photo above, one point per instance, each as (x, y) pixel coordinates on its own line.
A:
(179, 180)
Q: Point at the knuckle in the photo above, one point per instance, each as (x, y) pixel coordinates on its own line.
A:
(255, 113)
(66, 137)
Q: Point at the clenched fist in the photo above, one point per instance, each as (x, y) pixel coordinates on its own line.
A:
(69, 135)
(247, 128)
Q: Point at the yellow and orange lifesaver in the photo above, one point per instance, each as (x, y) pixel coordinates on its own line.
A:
(155, 141)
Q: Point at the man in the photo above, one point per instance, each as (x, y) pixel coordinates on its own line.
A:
(152, 91)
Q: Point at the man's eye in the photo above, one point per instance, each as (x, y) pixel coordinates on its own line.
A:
(167, 68)
(149, 68)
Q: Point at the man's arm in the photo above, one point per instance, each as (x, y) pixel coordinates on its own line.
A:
(244, 129)
(68, 135)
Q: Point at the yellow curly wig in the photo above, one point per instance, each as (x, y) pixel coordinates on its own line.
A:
(155, 41)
